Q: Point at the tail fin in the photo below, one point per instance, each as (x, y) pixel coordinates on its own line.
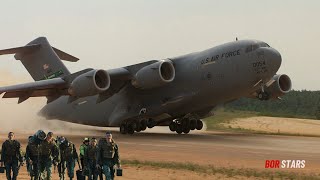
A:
(41, 59)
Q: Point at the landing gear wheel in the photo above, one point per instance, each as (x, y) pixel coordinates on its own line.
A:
(186, 130)
(130, 129)
(143, 125)
(262, 96)
(138, 129)
(199, 125)
(193, 124)
(173, 126)
(137, 126)
(185, 122)
(151, 123)
(179, 128)
(123, 129)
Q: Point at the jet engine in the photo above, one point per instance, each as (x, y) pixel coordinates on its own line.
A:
(278, 86)
(90, 83)
(154, 75)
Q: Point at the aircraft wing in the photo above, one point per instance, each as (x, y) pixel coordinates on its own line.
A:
(56, 87)
(50, 87)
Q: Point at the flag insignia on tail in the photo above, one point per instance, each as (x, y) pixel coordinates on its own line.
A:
(53, 75)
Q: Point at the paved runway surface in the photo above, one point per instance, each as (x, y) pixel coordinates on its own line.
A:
(222, 149)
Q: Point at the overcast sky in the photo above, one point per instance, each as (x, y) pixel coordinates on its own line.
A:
(109, 34)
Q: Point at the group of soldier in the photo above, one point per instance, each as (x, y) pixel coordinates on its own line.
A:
(44, 151)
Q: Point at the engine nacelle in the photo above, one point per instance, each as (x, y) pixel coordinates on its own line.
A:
(281, 84)
(90, 83)
(154, 75)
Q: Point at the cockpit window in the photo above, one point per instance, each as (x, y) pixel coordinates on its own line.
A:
(264, 45)
(252, 48)
(255, 46)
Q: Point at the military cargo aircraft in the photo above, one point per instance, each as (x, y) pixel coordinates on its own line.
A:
(176, 92)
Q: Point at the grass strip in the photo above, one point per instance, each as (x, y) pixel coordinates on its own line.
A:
(229, 172)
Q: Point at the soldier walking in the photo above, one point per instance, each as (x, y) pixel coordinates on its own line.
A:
(90, 160)
(108, 156)
(33, 154)
(11, 156)
(68, 154)
(83, 149)
(49, 154)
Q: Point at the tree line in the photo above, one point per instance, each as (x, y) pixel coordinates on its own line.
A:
(297, 104)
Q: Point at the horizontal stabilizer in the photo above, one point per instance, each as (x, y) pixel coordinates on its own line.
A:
(22, 50)
(65, 56)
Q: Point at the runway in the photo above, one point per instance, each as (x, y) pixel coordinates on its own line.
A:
(240, 150)
(221, 149)
(225, 149)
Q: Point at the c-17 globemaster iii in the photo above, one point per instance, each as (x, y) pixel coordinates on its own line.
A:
(176, 92)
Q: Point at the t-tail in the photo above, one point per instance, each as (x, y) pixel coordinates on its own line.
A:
(41, 59)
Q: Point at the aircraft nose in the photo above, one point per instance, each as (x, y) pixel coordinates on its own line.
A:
(274, 59)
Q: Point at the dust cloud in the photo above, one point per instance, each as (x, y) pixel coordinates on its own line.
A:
(23, 117)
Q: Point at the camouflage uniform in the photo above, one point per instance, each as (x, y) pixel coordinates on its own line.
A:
(107, 157)
(68, 154)
(90, 161)
(32, 154)
(11, 156)
(49, 153)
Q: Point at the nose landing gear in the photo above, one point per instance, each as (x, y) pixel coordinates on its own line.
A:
(263, 96)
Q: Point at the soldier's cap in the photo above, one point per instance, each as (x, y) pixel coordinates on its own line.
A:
(62, 139)
(86, 139)
(50, 134)
(41, 135)
(108, 133)
(10, 133)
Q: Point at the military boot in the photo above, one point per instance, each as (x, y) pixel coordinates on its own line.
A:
(61, 177)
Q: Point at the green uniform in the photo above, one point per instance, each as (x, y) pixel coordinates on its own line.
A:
(49, 153)
(11, 156)
(68, 155)
(90, 161)
(32, 154)
(107, 157)
(82, 149)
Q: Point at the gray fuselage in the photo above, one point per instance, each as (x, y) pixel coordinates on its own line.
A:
(202, 80)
